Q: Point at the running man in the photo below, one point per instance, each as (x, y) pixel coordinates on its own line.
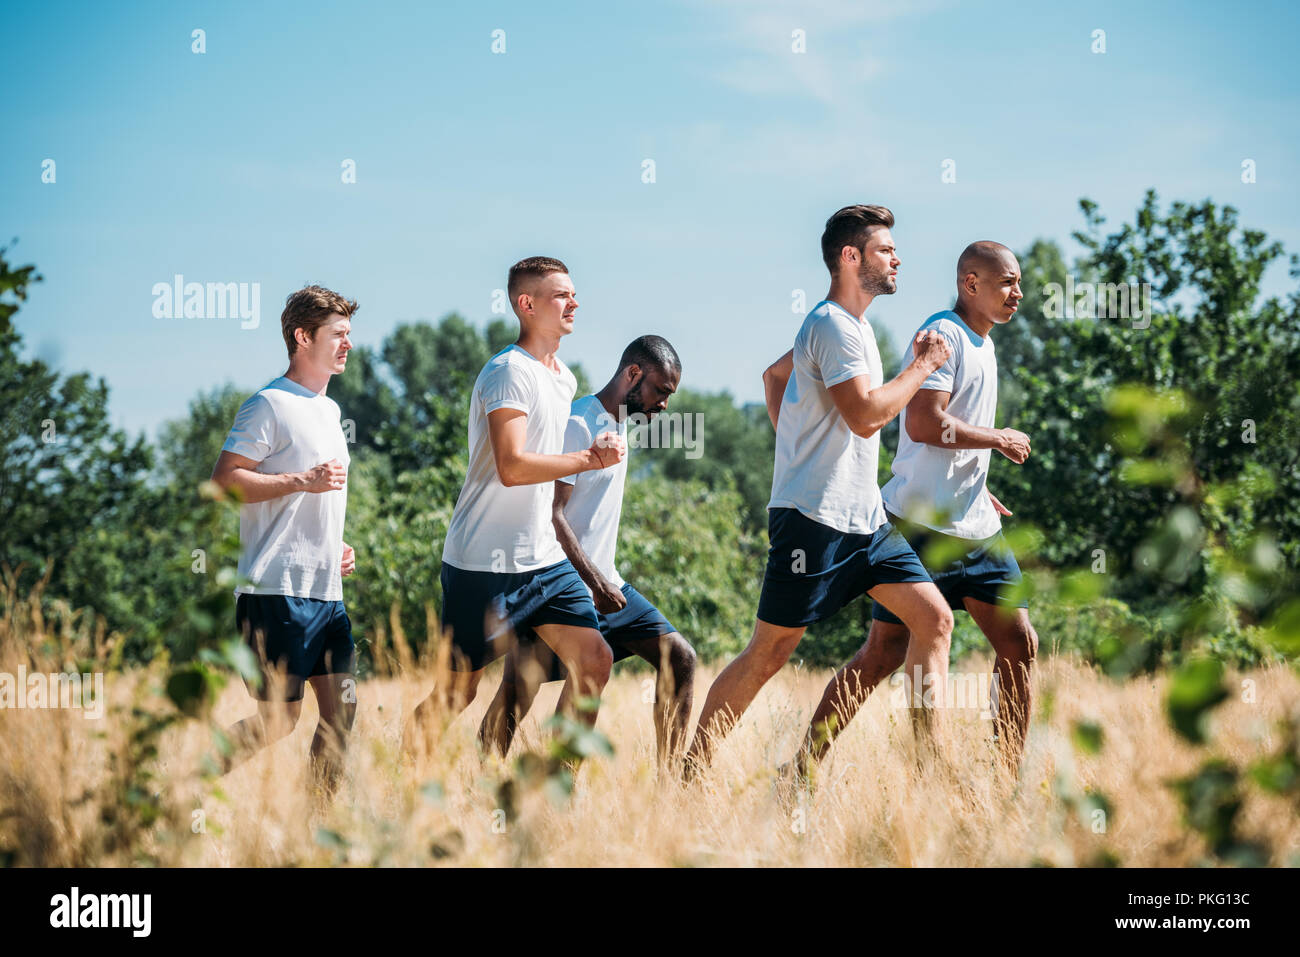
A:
(829, 539)
(586, 512)
(286, 458)
(503, 569)
(939, 500)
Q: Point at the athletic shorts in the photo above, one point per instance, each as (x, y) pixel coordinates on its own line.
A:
(814, 570)
(981, 568)
(634, 623)
(306, 637)
(484, 609)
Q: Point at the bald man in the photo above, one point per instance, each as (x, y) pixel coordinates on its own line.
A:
(939, 500)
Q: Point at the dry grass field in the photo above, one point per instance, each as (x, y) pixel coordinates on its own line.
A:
(120, 791)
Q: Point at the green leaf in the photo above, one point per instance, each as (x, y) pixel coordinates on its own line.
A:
(1087, 737)
(1195, 688)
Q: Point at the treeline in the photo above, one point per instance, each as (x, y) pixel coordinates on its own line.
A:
(1164, 480)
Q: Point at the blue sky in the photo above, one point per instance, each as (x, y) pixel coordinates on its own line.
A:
(225, 166)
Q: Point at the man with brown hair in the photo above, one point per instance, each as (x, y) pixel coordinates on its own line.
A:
(829, 539)
(286, 459)
(503, 568)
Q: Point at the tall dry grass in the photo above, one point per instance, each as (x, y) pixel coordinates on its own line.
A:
(80, 792)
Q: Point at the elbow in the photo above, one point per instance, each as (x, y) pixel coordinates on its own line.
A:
(866, 431)
(865, 428)
(509, 474)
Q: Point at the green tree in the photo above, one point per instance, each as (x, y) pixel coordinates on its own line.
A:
(69, 479)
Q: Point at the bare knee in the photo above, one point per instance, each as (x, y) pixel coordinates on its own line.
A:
(681, 661)
(278, 721)
(595, 662)
(1018, 644)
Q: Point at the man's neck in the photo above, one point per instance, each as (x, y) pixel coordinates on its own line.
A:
(308, 378)
(850, 296)
(980, 325)
(612, 399)
(540, 347)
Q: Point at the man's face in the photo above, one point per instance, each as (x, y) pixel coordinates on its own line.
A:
(551, 305)
(327, 350)
(997, 289)
(879, 266)
(650, 391)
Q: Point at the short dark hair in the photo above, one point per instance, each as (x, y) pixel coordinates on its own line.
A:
(534, 267)
(308, 308)
(646, 351)
(851, 226)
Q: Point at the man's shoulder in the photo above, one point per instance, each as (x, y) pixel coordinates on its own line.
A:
(509, 363)
(827, 312)
(590, 414)
(826, 318)
(267, 399)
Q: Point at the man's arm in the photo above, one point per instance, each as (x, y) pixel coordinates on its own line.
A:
(928, 422)
(608, 599)
(775, 380)
(507, 431)
(237, 473)
(866, 410)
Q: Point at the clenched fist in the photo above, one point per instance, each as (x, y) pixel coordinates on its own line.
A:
(1014, 445)
(931, 350)
(327, 477)
(610, 448)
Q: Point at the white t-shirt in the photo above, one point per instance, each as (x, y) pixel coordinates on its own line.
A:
(822, 468)
(594, 508)
(496, 528)
(940, 488)
(291, 545)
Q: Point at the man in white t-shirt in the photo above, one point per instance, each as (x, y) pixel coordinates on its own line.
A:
(286, 458)
(586, 513)
(939, 500)
(829, 540)
(503, 569)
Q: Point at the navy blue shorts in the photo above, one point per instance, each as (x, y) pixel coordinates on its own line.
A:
(484, 609)
(983, 569)
(814, 570)
(306, 637)
(632, 624)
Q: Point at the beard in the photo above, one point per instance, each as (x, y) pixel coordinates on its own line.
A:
(633, 401)
(875, 283)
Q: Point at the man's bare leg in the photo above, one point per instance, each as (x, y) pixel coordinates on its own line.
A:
(587, 659)
(273, 721)
(452, 694)
(928, 619)
(674, 660)
(881, 655)
(526, 668)
(1015, 644)
(337, 700)
(735, 688)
